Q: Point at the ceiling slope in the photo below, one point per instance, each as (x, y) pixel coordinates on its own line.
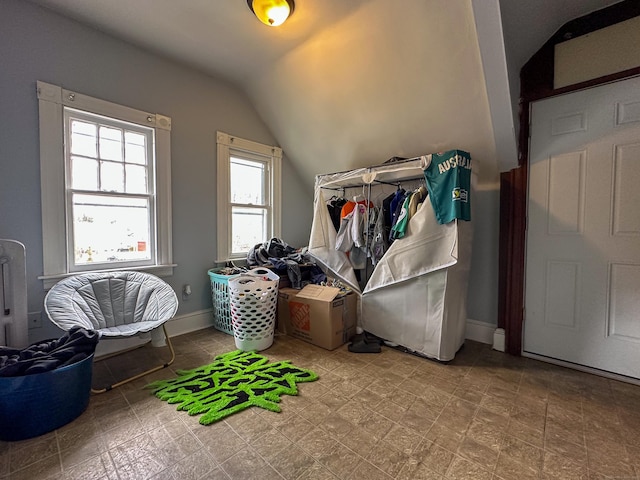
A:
(380, 83)
(348, 84)
(341, 84)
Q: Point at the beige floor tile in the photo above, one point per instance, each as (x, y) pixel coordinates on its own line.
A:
(4, 459)
(414, 470)
(576, 452)
(404, 439)
(221, 443)
(463, 469)
(359, 440)
(489, 417)
(80, 453)
(610, 458)
(508, 468)
(485, 415)
(478, 453)
(247, 464)
(487, 434)
(317, 442)
(525, 433)
(99, 466)
(527, 416)
(45, 469)
(432, 456)
(391, 410)
(562, 468)
(366, 470)
(522, 452)
(377, 425)
(340, 460)
(387, 458)
(445, 437)
(466, 392)
(291, 462)
(317, 472)
(497, 405)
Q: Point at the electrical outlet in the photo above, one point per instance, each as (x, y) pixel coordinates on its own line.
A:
(35, 319)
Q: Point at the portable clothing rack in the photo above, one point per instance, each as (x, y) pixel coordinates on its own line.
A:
(416, 294)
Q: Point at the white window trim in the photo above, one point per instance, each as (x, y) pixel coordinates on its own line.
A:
(227, 143)
(51, 101)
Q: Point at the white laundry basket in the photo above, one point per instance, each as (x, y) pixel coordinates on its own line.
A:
(253, 301)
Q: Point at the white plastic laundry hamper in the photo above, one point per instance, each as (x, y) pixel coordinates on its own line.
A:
(253, 301)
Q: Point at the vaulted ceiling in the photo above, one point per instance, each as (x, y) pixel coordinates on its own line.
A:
(345, 84)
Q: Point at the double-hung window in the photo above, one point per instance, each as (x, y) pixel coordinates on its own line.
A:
(105, 186)
(248, 195)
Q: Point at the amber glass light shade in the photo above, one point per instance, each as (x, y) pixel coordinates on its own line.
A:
(271, 12)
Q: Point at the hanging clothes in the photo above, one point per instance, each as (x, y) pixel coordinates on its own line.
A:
(350, 238)
(358, 253)
(387, 214)
(379, 242)
(401, 196)
(400, 227)
(349, 205)
(416, 200)
(334, 206)
(395, 204)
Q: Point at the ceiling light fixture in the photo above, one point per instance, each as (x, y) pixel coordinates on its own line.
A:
(271, 12)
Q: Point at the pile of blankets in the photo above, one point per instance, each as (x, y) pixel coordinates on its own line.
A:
(74, 346)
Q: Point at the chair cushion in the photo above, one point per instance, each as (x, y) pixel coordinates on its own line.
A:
(113, 303)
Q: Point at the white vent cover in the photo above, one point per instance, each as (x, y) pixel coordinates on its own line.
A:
(13, 295)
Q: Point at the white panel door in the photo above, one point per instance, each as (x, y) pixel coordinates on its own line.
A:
(582, 290)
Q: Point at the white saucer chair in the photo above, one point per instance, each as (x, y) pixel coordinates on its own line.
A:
(115, 304)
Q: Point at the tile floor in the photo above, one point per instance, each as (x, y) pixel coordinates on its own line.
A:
(486, 415)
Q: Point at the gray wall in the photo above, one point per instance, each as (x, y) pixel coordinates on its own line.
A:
(36, 44)
(482, 298)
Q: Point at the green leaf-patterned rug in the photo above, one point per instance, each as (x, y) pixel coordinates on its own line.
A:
(233, 382)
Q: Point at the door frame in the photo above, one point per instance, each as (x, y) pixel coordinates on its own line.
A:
(536, 83)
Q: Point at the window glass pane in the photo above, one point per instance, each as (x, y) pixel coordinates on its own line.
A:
(111, 177)
(83, 138)
(110, 143)
(84, 173)
(110, 229)
(136, 179)
(247, 181)
(135, 148)
(248, 227)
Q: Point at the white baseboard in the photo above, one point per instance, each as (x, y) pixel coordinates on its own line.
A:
(190, 322)
(179, 325)
(480, 331)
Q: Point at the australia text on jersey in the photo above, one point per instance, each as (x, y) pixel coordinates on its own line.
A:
(455, 161)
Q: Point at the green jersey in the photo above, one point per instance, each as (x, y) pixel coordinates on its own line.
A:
(448, 178)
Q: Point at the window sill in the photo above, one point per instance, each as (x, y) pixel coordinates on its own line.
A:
(159, 270)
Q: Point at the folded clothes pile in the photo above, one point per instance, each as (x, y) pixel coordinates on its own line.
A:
(74, 346)
(285, 259)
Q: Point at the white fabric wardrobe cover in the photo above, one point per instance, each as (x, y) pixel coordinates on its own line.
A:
(416, 295)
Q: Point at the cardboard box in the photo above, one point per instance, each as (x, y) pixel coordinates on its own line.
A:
(317, 315)
(284, 295)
